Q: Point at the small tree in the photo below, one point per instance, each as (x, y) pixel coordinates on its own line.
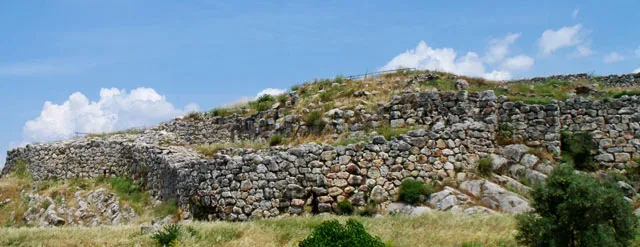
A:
(577, 150)
(576, 210)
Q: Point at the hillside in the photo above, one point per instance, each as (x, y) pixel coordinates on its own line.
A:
(481, 145)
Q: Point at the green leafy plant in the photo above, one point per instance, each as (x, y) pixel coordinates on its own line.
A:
(345, 207)
(333, 234)
(168, 236)
(485, 166)
(577, 150)
(413, 191)
(574, 209)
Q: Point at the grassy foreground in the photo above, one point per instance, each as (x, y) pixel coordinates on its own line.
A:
(432, 229)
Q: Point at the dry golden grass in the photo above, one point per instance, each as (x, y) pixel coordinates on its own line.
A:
(210, 150)
(432, 229)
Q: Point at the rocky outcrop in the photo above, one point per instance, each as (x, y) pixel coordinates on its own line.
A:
(89, 208)
(496, 197)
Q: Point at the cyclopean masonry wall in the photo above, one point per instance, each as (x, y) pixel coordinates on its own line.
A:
(453, 130)
(626, 80)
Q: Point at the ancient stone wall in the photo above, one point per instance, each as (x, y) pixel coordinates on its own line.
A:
(534, 125)
(613, 123)
(626, 80)
(151, 165)
(452, 131)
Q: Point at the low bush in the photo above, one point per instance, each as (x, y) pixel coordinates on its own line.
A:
(21, 171)
(168, 236)
(574, 209)
(413, 191)
(169, 207)
(577, 150)
(485, 166)
(263, 102)
(219, 112)
(345, 207)
(193, 116)
(129, 191)
(333, 234)
(276, 140)
(371, 209)
(315, 122)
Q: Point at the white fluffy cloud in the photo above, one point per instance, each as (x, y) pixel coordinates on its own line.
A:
(116, 109)
(584, 50)
(470, 64)
(612, 57)
(271, 91)
(499, 48)
(519, 63)
(637, 70)
(552, 40)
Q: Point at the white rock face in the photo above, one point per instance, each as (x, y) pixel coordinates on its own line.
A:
(496, 197)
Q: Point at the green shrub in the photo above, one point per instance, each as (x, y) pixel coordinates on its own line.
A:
(21, 171)
(413, 191)
(263, 102)
(219, 112)
(345, 207)
(577, 210)
(168, 236)
(333, 234)
(169, 207)
(371, 209)
(577, 150)
(505, 135)
(485, 166)
(128, 190)
(193, 116)
(315, 122)
(276, 140)
(326, 96)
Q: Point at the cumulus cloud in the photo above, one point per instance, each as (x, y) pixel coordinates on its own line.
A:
(499, 48)
(612, 57)
(518, 63)
(425, 57)
(637, 70)
(116, 109)
(552, 40)
(575, 13)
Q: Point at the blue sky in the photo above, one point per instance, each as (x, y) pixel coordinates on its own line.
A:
(105, 65)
